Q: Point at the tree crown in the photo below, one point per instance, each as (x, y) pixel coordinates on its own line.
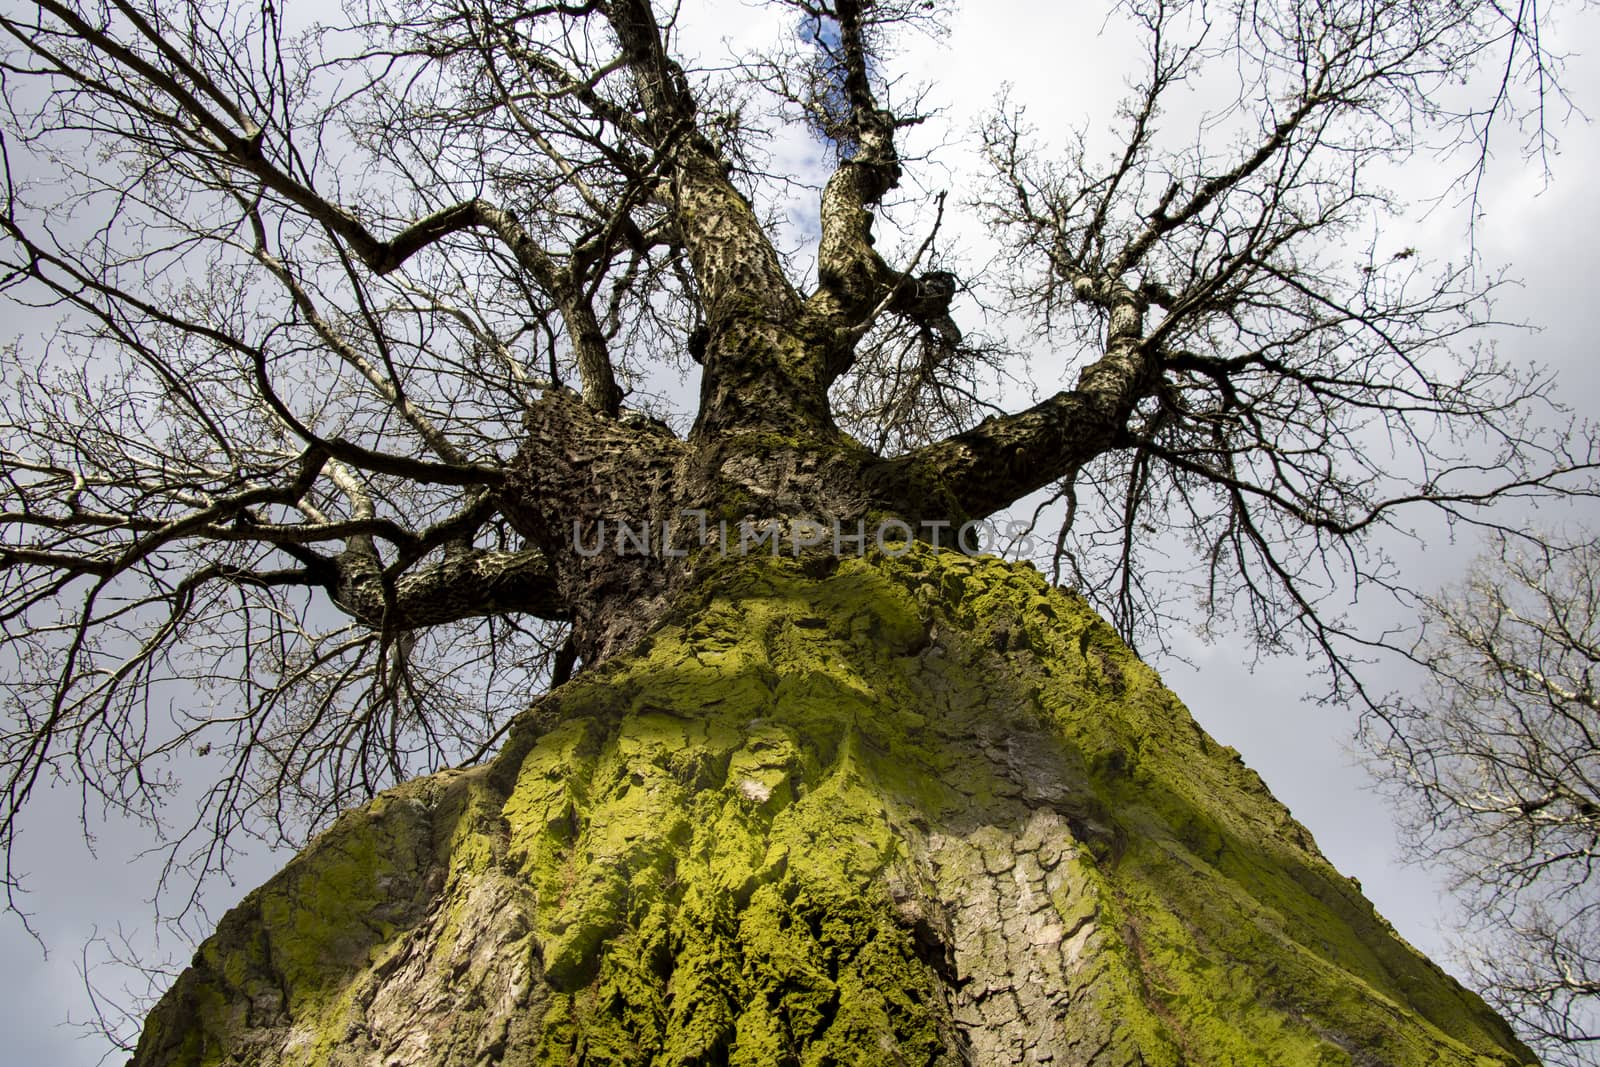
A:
(357, 322)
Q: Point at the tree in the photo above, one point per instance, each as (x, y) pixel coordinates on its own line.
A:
(1498, 762)
(334, 434)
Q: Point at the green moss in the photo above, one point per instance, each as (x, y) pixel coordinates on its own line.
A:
(842, 820)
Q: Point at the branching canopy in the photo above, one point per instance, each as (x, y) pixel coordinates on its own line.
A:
(331, 335)
(1498, 769)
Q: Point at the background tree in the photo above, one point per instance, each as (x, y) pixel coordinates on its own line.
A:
(1496, 761)
(326, 296)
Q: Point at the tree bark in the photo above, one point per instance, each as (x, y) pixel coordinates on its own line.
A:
(887, 809)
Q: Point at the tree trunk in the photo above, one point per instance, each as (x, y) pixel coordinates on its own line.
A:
(913, 809)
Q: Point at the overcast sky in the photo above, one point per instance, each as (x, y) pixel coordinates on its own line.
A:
(1064, 72)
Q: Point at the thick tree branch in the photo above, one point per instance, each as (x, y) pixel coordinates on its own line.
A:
(734, 262)
(460, 586)
(855, 283)
(1002, 460)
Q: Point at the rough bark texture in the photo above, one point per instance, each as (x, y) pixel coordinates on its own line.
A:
(916, 810)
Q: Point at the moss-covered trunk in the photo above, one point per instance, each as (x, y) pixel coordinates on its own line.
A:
(916, 810)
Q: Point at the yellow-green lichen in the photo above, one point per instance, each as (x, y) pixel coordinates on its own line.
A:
(921, 809)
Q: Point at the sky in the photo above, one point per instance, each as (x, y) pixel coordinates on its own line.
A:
(1056, 60)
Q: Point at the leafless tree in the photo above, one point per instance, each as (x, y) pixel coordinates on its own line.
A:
(1301, 394)
(1498, 767)
(351, 325)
